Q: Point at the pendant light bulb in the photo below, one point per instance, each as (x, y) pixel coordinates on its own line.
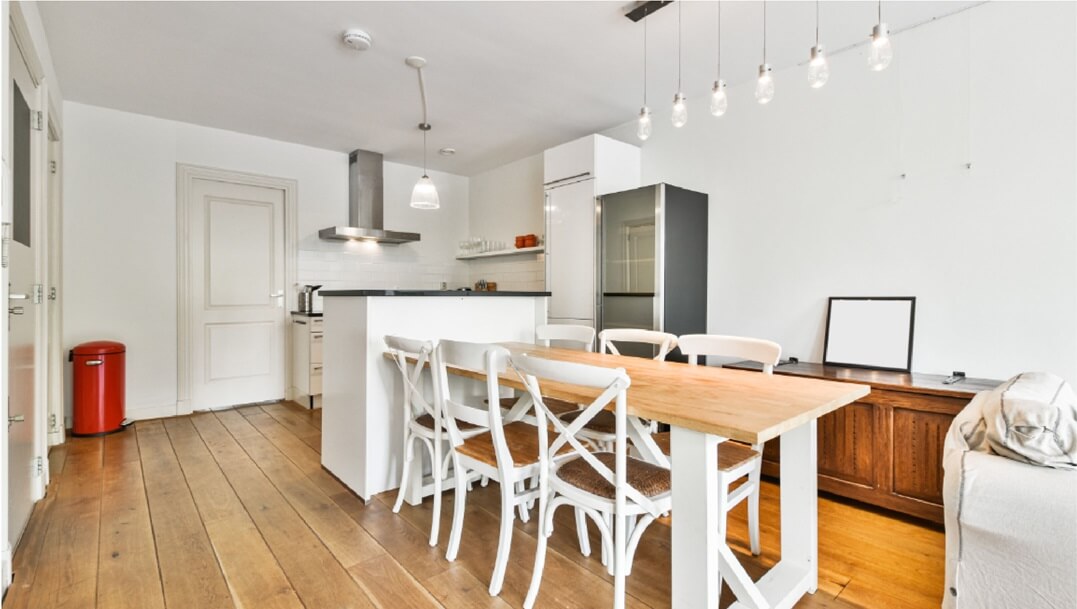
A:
(719, 99)
(643, 127)
(679, 116)
(680, 111)
(880, 53)
(818, 67)
(764, 87)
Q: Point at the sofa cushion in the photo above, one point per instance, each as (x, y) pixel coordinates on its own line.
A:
(1033, 418)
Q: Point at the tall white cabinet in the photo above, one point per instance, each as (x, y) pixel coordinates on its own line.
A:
(574, 175)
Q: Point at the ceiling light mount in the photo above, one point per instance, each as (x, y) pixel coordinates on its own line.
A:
(357, 39)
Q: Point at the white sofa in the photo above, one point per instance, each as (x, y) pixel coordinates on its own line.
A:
(1011, 528)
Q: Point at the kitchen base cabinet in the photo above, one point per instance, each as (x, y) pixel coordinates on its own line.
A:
(885, 449)
(307, 359)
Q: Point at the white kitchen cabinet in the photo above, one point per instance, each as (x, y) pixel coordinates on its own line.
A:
(575, 174)
(307, 340)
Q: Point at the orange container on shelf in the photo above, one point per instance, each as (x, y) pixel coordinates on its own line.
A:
(520, 241)
(530, 240)
(99, 378)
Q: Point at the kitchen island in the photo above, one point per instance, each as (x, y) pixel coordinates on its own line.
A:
(362, 418)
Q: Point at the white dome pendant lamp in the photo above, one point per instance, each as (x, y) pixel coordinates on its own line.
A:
(425, 194)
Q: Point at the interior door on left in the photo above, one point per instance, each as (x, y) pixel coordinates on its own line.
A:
(21, 308)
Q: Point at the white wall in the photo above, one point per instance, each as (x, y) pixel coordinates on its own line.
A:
(505, 202)
(120, 231)
(807, 199)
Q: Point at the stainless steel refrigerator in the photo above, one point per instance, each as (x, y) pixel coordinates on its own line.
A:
(652, 262)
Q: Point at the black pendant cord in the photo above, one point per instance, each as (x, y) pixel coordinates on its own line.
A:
(424, 150)
(764, 31)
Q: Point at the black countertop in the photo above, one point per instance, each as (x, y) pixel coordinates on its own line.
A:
(330, 293)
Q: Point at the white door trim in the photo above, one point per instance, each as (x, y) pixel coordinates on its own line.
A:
(185, 176)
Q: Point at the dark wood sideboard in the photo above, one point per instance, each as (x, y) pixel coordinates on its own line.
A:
(885, 449)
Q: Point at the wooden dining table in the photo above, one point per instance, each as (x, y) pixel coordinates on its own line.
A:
(704, 406)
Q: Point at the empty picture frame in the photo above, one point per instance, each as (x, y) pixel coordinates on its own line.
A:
(870, 332)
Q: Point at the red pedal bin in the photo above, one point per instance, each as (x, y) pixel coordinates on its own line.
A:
(99, 388)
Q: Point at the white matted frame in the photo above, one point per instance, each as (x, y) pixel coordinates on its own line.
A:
(185, 176)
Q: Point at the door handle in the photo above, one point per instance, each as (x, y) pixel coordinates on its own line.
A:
(277, 294)
(18, 296)
(15, 310)
(16, 418)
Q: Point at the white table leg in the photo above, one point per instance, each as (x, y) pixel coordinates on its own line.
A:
(694, 533)
(800, 501)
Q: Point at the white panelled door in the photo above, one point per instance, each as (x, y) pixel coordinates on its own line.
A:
(236, 250)
(23, 472)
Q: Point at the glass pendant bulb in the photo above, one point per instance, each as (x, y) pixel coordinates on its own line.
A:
(643, 127)
(680, 111)
(719, 99)
(425, 194)
(764, 87)
(818, 67)
(880, 53)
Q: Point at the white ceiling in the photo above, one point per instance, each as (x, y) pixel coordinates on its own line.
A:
(504, 79)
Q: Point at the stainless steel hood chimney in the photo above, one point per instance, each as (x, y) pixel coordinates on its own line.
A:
(366, 203)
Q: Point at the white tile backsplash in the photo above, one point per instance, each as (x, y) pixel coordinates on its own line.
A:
(518, 273)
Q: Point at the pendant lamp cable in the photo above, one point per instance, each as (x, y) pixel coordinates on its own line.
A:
(645, 57)
(816, 22)
(764, 31)
(680, 30)
(719, 39)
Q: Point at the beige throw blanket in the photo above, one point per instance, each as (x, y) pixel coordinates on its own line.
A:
(1032, 418)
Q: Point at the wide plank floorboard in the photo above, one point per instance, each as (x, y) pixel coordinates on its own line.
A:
(233, 509)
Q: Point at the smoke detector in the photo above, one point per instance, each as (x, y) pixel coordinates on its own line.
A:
(357, 39)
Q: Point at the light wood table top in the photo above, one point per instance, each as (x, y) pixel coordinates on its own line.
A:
(745, 406)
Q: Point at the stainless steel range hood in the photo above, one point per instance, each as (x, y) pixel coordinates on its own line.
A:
(366, 203)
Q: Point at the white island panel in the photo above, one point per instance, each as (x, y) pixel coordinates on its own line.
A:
(362, 416)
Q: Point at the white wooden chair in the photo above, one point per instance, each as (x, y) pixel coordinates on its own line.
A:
(582, 336)
(663, 340)
(623, 495)
(735, 460)
(422, 422)
(505, 452)
(600, 429)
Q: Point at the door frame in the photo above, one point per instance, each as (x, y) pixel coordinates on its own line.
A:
(17, 38)
(186, 174)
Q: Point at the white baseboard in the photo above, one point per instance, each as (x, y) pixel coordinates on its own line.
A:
(5, 567)
(152, 412)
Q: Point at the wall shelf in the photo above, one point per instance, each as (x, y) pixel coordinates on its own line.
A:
(538, 249)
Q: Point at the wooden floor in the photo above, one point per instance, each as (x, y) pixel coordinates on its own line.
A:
(232, 509)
